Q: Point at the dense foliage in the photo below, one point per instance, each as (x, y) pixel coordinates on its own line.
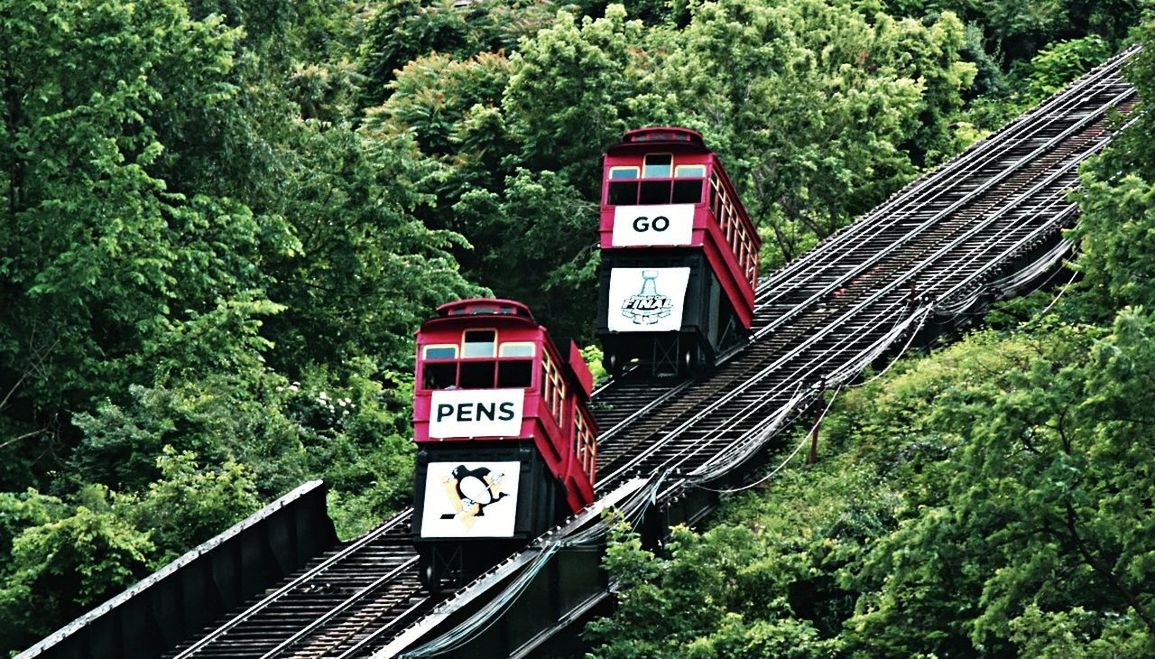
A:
(991, 499)
(221, 222)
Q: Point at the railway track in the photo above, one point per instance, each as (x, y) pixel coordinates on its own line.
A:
(344, 597)
(943, 236)
(935, 247)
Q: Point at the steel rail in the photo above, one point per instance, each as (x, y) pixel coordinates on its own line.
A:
(719, 421)
(861, 330)
(297, 582)
(973, 252)
(997, 141)
(375, 636)
(1000, 149)
(886, 224)
(832, 329)
(349, 603)
(933, 221)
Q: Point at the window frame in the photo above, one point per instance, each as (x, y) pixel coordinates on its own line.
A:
(431, 346)
(645, 166)
(496, 342)
(679, 168)
(553, 388)
(616, 169)
(585, 445)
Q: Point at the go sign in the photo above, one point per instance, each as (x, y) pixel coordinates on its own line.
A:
(653, 224)
(643, 223)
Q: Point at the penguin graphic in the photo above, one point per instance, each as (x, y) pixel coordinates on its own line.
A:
(471, 491)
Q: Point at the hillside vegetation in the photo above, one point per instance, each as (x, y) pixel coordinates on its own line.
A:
(990, 499)
(222, 220)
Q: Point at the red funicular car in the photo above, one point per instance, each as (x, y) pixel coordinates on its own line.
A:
(506, 446)
(679, 254)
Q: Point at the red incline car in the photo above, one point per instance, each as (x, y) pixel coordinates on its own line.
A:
(679, 254)
(506, 446)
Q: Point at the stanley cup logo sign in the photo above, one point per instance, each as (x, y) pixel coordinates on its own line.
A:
(648, 306)
(636, 305)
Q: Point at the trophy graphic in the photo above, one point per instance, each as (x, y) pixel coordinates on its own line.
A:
(648, 306)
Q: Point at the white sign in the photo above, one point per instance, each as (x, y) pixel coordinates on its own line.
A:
(647, 299)
(666, 224)
(476, 413)
(470, 500)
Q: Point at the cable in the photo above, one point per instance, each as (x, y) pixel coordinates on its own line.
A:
(785, 462)
(898, 356)
(1060, 294)
(723, 461)
(632, 511)
(848, 371)
(487, 616)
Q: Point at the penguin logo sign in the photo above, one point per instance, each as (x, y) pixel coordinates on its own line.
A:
(476, 500)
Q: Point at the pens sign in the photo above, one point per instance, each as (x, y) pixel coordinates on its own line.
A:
(476, 413)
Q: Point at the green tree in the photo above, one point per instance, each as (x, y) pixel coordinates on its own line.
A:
(505, 166)
(545, 247)
(60, 559)
(357, 435)
(367, 271)
(189, 504)
(1037, 505)
(402, 31)
(564, 99)
(451, 109)
(753, 77)
(110, 269)
(1056, 66)
(1117, 228)
(1017, 31)
(810, 103)
(433, 95)
(220, 418)
(19, 511)
(62, 568)
(770, 579)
